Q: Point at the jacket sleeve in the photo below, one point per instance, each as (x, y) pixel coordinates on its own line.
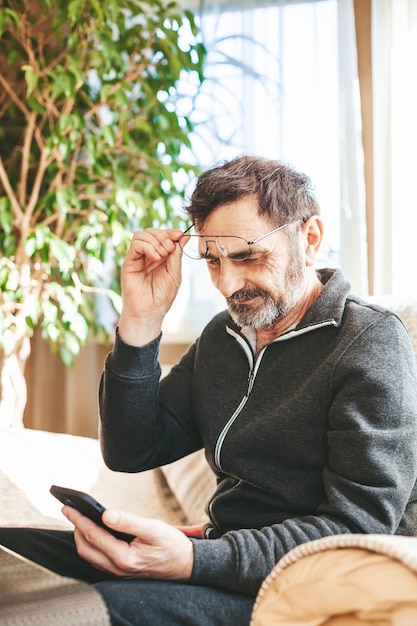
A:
(370, 477)
(138, 429)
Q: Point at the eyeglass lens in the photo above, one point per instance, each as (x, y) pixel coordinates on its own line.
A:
(199, 247)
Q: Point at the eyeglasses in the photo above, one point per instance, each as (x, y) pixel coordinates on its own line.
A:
(235, 248)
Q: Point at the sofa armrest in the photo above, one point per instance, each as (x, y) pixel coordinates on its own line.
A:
(355, 579)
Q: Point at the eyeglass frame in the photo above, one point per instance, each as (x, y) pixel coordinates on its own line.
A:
(214, 239)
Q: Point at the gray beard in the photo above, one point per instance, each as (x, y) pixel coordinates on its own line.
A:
(256, 317)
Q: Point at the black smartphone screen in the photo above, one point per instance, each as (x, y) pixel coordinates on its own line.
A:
(88, 506)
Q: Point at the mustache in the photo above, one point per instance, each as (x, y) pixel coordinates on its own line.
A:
(245, 294)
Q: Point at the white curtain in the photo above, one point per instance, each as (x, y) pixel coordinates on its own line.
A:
(394, 82)
(354, 254)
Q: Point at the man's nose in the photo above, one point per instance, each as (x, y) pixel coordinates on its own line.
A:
(230, 277)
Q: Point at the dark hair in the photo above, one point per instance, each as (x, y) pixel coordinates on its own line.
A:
(283, 193)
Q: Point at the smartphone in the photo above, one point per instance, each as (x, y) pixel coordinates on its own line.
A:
(88, 506)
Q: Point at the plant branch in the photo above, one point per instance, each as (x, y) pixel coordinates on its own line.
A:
(87, 288)
(24, 166)
(75, 162)
(13, 95)
(18, 102)
(40, 173)
(16, 208)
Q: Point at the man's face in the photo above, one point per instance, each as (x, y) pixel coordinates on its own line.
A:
(265, 287)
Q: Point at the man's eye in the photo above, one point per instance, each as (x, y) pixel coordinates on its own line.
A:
(251, 259)
(212, 261)
(256, 257)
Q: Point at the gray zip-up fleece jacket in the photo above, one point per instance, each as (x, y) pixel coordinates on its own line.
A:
(316, 437)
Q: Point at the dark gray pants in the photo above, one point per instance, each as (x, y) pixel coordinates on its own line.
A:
(132, 602)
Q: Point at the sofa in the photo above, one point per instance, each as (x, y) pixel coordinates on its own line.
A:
(335, 581)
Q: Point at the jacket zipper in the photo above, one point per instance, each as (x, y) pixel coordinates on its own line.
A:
(253, 370)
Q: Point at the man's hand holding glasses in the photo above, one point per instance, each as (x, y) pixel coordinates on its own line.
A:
(151, 276)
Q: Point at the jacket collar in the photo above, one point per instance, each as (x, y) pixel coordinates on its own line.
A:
(330, 304)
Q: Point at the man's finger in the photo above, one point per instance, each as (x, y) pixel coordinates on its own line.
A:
(146, 529)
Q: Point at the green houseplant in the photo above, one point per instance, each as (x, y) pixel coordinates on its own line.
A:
(90, 148)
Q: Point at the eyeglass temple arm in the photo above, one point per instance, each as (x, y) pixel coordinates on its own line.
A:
(185, 232)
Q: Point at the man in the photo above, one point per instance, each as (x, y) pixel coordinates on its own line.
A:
(303, 396)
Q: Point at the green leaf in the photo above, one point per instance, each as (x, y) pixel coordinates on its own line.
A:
(52, 332)
(116, 300)
(71, 343)
(66, 356)
(49, 312)
(106, 91)
(30, 246)
(3, 21)
(31, 78)
(35, 105)
(63, 83)
(98, 9)
(32, 309)
(64, 254)
(79, 327)
(92, 244)
(6, 217)
(7, 16)
(108, 134)
(75, 10)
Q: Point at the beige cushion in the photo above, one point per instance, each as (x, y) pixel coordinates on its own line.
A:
(405, 308)
(32, 460)
(346, 580)
(193, 483)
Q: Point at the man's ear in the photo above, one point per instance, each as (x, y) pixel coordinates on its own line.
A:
(312, 231)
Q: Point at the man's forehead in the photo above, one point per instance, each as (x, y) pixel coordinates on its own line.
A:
(240, 218)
